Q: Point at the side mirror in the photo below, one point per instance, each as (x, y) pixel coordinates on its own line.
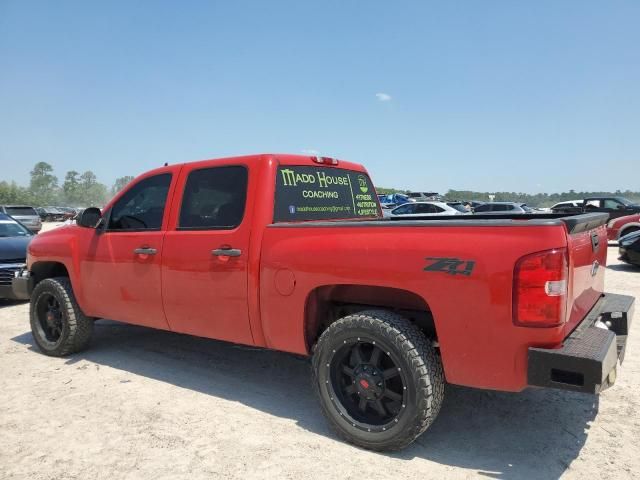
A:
(90, 218)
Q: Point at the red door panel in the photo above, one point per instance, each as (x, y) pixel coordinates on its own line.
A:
(205, 254)
(120, 284)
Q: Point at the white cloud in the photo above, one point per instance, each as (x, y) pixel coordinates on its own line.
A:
(310, 151)
(383, 97)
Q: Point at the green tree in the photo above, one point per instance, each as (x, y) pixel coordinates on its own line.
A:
(12, 193)
(120, 183)
(92, 193)
(44, 184)
(71, 188)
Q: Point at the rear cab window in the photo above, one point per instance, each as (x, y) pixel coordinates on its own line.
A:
(306, 193)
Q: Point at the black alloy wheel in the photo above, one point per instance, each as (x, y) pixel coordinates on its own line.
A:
(58, 325)
(378, 378)
(49, 315)
(368, 385)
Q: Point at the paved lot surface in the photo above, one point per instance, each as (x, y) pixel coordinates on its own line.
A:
(148, 404)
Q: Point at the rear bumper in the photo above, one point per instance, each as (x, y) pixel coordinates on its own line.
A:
(587, 361)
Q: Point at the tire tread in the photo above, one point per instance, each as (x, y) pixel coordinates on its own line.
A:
(426, 369)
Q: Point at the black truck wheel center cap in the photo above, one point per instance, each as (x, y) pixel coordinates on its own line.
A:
(369, 381)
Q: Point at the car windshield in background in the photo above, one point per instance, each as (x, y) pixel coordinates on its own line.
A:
(9, 228)
(321, 193)
(624, 201)
(20, 211)
(527, 208)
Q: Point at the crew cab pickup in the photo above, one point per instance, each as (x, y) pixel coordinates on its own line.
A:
(614, 206)
(292, 253)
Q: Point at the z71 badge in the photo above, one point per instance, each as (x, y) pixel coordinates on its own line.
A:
(452, 266)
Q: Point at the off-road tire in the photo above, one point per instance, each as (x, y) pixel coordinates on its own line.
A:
(76, 326)
(410, 349)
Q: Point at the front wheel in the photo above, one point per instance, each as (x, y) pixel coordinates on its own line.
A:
(379, 381)
(58, 325)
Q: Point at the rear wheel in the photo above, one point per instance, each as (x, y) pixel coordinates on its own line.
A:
(379, 380)
(58, 325)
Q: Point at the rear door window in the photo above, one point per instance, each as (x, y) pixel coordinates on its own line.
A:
(214, 198)
(321, 193)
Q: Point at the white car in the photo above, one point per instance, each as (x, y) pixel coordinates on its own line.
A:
(418, 209)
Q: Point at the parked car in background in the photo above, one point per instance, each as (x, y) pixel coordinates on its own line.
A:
(50, 214)
(501, 208)
(14, 238)
(621, 226)
(569, 206)
(68, 213)
(423, 196)
(614, 206)
(630, 248)
(419, 209)
(24, 214)
(392, 200)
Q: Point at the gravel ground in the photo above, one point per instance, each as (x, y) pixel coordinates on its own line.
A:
(148, 404)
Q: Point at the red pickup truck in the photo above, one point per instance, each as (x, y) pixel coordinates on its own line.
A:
(291, 253)
(621, 226)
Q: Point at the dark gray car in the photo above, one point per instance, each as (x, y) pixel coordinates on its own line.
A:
(14, 239)
(26, 215)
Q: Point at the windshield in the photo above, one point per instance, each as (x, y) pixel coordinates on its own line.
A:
(321, 193)
(415, 195)
(21, 211)
(624, 201)
(9, 228)
(526, 208)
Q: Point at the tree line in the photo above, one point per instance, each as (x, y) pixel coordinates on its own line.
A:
(77, 189)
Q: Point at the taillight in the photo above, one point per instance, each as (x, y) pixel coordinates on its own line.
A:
(540, 289)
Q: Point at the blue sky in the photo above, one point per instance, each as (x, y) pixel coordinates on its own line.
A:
(479, 95)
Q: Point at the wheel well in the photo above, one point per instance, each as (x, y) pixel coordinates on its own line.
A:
(43, 270)
(329, 303)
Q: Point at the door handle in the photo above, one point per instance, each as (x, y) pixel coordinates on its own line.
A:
(226, 252)
(145, 251)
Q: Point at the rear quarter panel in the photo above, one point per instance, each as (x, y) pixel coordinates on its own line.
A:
(479, 344)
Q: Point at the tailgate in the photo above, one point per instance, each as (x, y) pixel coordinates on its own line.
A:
(587, 245)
